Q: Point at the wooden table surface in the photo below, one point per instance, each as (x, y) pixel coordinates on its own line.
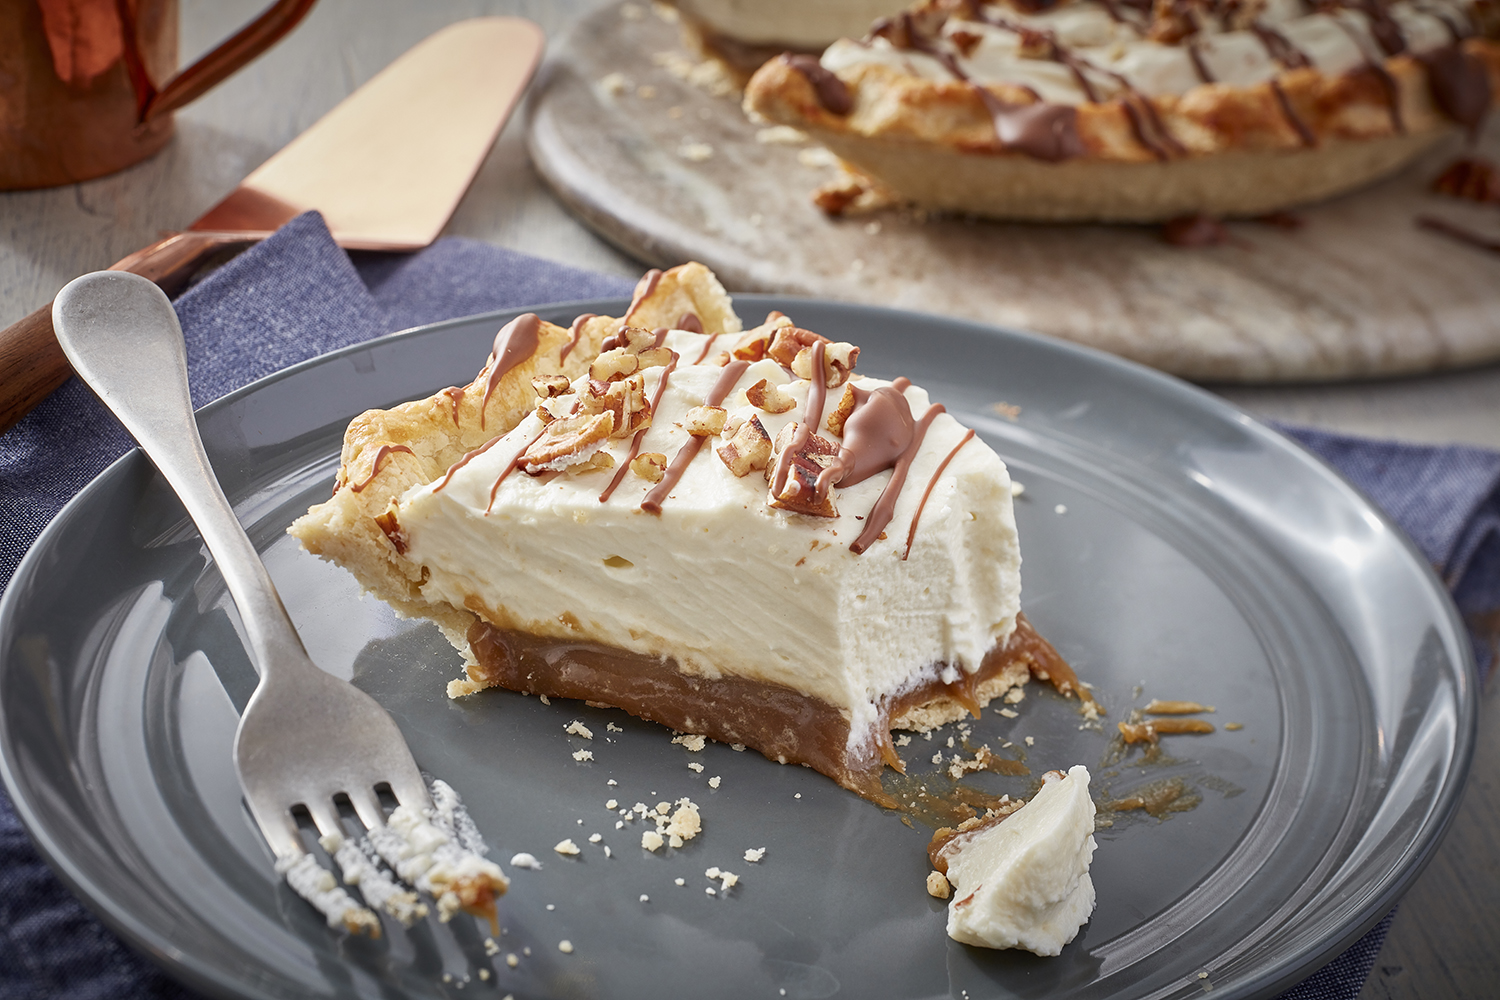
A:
(1445, 941)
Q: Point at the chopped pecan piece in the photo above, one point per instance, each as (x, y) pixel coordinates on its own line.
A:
(654, 357)
(392, 529)
(612, 365)
(800, 491)
(567, 441)
(544, 415)
(838, 362)
(787, 341)
(650, 466)
(748, 450)
(841, 412)
(752, 346)
(765, 396)
(548, 386)
(626, 399)
(704, 421)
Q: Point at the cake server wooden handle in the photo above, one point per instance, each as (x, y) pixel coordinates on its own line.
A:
(33, 364)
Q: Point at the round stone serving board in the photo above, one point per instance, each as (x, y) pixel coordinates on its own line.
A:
(1358, 291)
(1174, 548)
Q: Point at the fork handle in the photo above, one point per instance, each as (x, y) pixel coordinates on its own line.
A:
(122, 337)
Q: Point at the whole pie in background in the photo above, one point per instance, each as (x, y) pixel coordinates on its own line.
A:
(1138, 111)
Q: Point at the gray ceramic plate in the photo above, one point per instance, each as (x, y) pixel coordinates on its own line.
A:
(1174, 548)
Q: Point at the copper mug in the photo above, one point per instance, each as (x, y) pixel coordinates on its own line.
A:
(87, 86)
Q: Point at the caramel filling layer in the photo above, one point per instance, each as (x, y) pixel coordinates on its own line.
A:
(783, 724)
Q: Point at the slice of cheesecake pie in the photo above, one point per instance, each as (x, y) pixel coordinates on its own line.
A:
(729, 532)
(1138, 110)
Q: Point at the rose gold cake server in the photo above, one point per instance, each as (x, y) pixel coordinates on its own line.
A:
(386, 167)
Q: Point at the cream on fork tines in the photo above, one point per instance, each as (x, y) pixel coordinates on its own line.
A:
(306, 737)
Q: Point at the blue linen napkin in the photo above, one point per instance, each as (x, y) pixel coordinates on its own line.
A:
(297, 295)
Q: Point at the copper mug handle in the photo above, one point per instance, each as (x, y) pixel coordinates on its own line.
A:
(190, 84)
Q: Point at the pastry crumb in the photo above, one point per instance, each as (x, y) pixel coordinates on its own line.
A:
(612, 804)
(1031, 741)
(737, 747)
(710, 891)
(583, 755)
(903, 740)
(566, 847)
(713, 782)
(490, 947)
(544, 699)
(781, 135)
(695, 152)
(511, 960)
(651, 840)
(612, 728)
(611, 782)
(645, 898)
(754, 854)
(817, 157)
(525, 860)
(690, 741)
(1061, 508)
(577, 728)
(565, 946)
(1009, 713)
(594, 838)
(695, 766)
(937, 884)
(1234, 726)
(680, 881)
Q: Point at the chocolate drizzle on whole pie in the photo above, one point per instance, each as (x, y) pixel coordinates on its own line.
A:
(1460, 86)
(694, 444)
(380, 456)
(1042, 130)
(516, 342)
(831, 91)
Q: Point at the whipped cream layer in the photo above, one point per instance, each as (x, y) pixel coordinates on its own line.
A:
(1107, 51)
(802, 24)
(1024, 882)
(720, 581)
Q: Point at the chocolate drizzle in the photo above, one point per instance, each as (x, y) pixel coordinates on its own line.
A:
(455, 394)
(635, 442)
(831, 91)
(885, 506)
(643, 288)
(911, 533)
(574, 332)
(706, 348)
(1195, 53)
(516, 342)
(1042, 130)
(877, 433)
(1292, 118)
(1460, 86)
(1388, 83)
(690, 322)
(694, 444)
(817, 395)
(1278, 48)
(468, 457)
(380, 456)
(1386, 32)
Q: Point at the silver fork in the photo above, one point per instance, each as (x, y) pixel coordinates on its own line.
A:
(305, 735)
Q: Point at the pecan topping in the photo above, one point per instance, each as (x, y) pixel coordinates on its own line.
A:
(650, 466)
(625, 399)
(548, 386)
(567, 441)
(800, 493)
(612, 365)
(841, 412)
(544, 415)
(392, 529)
(765, 396)
(753, 345)
(787, 341)
(748, 450)
(704, 421)
(838, 363)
